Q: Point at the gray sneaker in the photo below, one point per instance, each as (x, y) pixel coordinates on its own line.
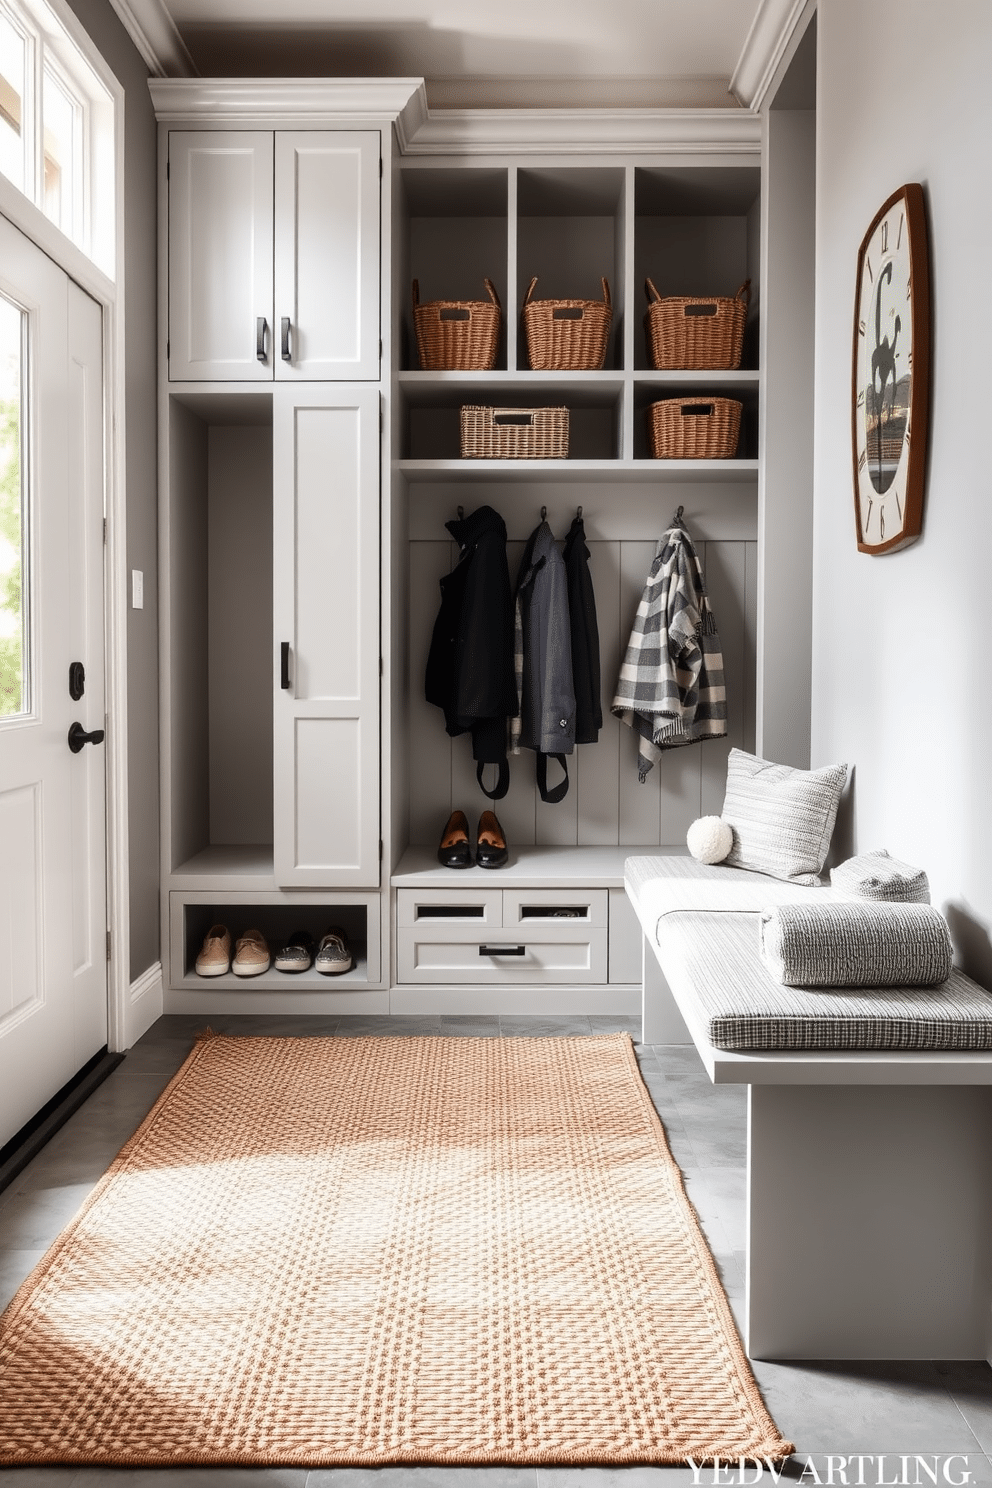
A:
(333, 953)
(297, 953)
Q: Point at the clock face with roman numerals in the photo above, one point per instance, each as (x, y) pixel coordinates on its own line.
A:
(891, 374)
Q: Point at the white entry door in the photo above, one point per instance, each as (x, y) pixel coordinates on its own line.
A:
(53, 961)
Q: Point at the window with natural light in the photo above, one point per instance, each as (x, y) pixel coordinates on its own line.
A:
(57, 127)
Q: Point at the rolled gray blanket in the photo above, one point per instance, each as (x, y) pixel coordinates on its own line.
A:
(874, 875)
(861, 944)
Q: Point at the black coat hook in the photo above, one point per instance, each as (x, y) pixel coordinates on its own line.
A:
(544, 513)
(461, 514)
(578, 511)
(677, 519)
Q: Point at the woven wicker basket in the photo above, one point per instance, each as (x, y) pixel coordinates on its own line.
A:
(514, 433)
(567, 335)
(686, 332)
(694, 428)
(457, 335)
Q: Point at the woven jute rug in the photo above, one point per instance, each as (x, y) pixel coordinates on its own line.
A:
(321, 1251)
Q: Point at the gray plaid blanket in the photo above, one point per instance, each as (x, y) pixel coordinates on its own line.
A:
(671, 686)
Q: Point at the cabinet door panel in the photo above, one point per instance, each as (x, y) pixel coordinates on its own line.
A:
(327, 254)
(220, 255)
(325, 591)
(329, 819)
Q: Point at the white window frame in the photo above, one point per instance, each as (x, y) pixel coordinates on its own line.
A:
(55, 45)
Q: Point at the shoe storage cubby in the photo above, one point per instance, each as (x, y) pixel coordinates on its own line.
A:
(193, 914)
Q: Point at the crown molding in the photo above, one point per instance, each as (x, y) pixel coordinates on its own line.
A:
(154, 33)
(591, 131)
(272, 101)
(775, 32)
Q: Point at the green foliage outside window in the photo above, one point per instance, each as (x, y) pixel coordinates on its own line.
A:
(11, 645)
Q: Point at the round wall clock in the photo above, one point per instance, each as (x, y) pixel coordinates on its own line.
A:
(891, 374)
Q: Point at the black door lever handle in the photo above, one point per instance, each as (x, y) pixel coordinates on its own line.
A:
(78, 737)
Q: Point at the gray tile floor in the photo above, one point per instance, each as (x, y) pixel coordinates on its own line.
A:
(924, 1418)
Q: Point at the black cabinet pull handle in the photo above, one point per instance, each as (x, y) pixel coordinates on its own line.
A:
(261, 328)
(286, 356)
(284, 665)
(78, 737)
(502, 950)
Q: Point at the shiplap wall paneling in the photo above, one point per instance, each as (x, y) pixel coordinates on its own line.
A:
(429, 745)
(606, 803)
(725, 571)
(639, 803)
(596, 766)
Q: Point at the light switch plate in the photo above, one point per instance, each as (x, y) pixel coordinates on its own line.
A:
(137, 589)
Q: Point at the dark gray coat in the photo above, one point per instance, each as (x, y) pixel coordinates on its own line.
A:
(543, 650)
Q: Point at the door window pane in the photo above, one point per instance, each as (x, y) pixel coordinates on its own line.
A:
(14, 689)
(13, 68)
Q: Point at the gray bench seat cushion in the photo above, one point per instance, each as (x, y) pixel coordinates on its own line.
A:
(711, 961)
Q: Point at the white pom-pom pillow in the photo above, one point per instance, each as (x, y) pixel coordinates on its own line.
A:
(710, 839)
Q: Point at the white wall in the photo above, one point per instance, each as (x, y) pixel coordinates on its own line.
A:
(902, 681)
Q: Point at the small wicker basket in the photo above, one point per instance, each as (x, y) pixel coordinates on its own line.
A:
(567, 335)
(694, 428)
(684, 332)
(514, 433)
(457, 335)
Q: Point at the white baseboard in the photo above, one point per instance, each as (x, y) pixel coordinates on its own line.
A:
(145, 1003)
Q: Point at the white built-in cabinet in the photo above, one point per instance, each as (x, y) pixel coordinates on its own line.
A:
(273, 255)
(325, 569)
(304, 502)
(271, 286)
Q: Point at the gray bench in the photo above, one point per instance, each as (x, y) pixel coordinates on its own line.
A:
(869, 1134)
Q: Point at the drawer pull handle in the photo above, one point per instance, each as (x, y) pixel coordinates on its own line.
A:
(502, 950)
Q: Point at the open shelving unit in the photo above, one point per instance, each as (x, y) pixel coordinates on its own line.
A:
(694, 228)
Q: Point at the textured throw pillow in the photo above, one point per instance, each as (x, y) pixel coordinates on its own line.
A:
(874, 875)
(855, 945)
(782, 818)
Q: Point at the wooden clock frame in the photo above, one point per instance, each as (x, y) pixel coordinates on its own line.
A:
(915, 438)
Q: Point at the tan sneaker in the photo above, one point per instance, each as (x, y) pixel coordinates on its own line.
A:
(215, 953)
(251, 954)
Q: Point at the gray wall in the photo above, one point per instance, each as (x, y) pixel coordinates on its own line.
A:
(114, 44)
(900, 642)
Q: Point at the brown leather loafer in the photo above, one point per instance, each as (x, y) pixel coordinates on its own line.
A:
(454, 849)
(490, 849)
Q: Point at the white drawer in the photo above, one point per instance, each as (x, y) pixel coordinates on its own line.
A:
(475, 908)
(550, 910)
(502, 956)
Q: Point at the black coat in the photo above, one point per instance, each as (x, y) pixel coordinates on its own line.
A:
(470, 663)
(585, 636)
